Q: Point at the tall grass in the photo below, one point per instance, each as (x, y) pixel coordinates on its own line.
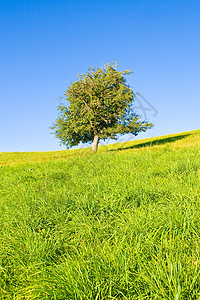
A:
(121, 224)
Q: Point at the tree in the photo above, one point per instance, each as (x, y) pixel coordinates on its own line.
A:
(100, 106)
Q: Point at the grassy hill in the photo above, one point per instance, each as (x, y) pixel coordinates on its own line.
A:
(123, 223)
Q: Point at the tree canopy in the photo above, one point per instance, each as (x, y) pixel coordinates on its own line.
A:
(99, 105)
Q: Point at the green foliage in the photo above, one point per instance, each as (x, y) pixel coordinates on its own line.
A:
(117, 225)
(100, 104)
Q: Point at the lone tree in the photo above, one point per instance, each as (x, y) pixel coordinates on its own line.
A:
(100, 105)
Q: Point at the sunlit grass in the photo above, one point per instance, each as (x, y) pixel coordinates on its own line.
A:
(190, 138)
(120, 224)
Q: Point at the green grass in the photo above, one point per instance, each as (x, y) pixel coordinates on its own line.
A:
(123, 223)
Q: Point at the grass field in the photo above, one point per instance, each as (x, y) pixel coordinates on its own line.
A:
(123, 223)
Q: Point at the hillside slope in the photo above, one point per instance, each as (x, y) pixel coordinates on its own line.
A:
(123, 223)
(184, 139)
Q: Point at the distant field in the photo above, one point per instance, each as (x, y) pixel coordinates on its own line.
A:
(123, 223)
(185, 139)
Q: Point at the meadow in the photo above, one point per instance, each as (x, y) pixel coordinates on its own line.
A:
(123, 223)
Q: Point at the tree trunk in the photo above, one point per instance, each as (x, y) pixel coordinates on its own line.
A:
(95, 143)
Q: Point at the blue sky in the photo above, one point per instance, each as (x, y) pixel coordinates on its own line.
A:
(44, 44)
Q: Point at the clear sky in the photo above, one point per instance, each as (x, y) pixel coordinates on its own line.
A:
(45, 43)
